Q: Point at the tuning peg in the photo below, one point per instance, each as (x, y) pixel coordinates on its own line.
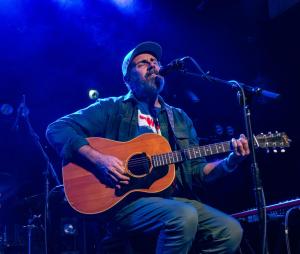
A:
(282, 150)
(275, 150)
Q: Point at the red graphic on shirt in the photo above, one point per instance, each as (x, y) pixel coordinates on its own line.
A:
(149, 120)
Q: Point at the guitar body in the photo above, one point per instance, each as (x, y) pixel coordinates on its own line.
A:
(149, 162)
(88, 193)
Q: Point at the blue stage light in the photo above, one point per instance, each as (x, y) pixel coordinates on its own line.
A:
(69, 3)
(123, 3)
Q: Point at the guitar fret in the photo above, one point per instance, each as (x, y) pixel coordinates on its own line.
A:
(212, 149)
(206, 150)
(164, 159)
(160, 160)
(153, 161)
(216, 147)
(194, 153)
(170, 158)
(179, 156)
(190, 153)
(203, 150)
(223, 147)
(175, 157)
(199, 152)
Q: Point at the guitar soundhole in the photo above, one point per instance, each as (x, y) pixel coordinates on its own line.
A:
(139, 165)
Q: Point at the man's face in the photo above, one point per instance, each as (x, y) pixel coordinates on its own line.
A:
(144, 80)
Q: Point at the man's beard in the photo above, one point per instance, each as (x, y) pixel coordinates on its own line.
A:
(148, 88)
(156, 81)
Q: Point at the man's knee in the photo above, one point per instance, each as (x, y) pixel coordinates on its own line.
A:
(234, 234)
(184, 222)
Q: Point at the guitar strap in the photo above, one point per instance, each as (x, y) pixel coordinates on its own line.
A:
(171, 118)
(173, 142)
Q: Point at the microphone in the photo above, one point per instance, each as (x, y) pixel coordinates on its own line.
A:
(175, 65)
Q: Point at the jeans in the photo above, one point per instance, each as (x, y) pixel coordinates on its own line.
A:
(179, 224)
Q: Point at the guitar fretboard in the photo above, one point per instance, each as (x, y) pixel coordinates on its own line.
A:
(190, 153)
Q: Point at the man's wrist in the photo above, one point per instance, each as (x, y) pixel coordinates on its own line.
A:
(89, 153)
(226, 167)
(228, 164)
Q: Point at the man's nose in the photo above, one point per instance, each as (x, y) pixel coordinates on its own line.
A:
(151, 66)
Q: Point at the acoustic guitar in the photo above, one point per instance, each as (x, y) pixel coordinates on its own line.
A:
(149, 162)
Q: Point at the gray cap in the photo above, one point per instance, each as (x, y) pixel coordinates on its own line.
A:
(150, 47)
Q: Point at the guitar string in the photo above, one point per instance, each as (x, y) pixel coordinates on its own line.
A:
(187, 150)
(156, 160)
(170, 156)
(202, 149)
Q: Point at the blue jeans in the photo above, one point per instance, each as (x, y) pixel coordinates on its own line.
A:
(179, 224)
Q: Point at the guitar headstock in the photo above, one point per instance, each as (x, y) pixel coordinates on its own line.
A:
(272, 140)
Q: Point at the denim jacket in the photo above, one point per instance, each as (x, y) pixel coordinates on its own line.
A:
(116, 118)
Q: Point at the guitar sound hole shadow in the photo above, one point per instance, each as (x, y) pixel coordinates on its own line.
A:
(143, 182)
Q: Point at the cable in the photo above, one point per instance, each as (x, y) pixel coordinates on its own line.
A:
(286, 228)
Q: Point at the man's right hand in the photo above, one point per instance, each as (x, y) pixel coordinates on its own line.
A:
(110, 166)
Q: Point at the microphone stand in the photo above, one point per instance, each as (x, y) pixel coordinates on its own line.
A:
(245, 95)
(23, 111)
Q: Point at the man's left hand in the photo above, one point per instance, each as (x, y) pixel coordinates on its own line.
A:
(240, 151)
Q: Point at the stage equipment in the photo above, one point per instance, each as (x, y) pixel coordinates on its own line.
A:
(93, 94)
(284, 225)
(23, 115)
(245, 95)
(274, 210)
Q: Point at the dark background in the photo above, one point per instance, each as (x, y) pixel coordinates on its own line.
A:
(54, 51)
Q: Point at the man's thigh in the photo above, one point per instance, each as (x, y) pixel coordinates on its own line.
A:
(150, 213)
(217, 231)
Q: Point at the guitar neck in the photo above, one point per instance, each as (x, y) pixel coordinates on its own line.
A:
(190, 153)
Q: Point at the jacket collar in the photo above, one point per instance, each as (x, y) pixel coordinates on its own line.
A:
(130, 97)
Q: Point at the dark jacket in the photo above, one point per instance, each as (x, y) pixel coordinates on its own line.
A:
(116, 118)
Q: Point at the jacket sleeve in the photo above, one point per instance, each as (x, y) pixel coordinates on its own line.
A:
(68, 133)
(198, 165)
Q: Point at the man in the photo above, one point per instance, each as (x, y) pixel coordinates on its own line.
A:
(178, 217)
